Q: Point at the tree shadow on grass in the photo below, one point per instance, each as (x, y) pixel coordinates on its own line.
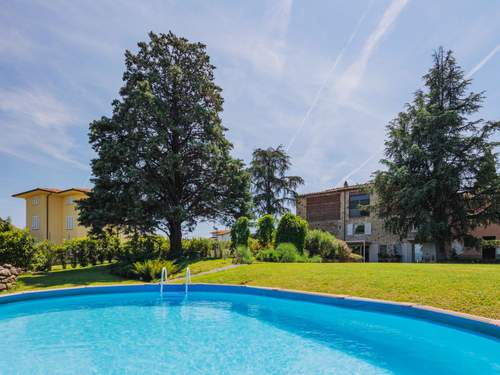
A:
(68, 277)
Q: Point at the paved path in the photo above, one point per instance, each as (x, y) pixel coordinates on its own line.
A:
(211, 271)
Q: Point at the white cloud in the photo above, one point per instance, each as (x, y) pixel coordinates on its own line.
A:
(336, 62)
(351, 78)
(483, 61)
(263, 46)
(35, 127)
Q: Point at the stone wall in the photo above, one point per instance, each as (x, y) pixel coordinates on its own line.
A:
(8, 276)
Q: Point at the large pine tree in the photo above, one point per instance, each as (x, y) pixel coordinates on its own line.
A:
(163, 161)
(273, 189)
(441, 176)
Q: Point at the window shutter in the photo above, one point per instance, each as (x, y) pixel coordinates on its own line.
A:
(368, 228)
(69, 222)
(349, 229)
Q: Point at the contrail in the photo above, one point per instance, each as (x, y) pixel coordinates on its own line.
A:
(330, 73)
(361, 166)
(483, 61)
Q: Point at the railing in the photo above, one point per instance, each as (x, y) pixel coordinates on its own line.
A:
(188, 279)
(163, 279)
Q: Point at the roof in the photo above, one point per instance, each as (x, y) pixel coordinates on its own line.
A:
(337, 190)
(28, 193)
(221, 232)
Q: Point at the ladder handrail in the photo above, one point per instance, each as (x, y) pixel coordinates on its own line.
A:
(163, 278)
(188, 279)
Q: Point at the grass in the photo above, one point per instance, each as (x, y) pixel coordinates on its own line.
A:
(59, 278)
(203, 266)
(95, 275)
(469, 288)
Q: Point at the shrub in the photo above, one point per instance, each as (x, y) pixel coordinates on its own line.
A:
(151, 269)
(60, 255)
(353, 257)
(343, 250)
(221, 249)
(43, 257)
(292, 228)
(287, 253)
(254, 245)
(265, 229)
(141, 248)
(17, 247)
(267, 255)
(198, 248)
(321, 243)
(243, 255)
(240, 232)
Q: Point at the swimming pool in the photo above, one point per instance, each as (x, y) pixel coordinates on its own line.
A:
(232, 330)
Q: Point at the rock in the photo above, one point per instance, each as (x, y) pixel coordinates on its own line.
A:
(4, 272)
(3, 286)
(7, 265)
(15, 271)
(10, 279)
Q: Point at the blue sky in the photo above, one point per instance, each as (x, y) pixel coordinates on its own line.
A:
(322, 78)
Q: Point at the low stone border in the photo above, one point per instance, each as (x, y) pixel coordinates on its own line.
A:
(478, 324)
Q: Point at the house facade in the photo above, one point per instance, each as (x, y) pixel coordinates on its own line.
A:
(342, 212)
(51, 214)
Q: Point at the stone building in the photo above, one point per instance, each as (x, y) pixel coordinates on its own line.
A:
(341, 212)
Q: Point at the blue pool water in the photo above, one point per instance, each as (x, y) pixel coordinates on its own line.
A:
(228, 333)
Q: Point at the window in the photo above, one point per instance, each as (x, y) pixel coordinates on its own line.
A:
(69, 200)
(69, 222)
(35, 201)
(359, 229)
(357, 203)
(35, 223)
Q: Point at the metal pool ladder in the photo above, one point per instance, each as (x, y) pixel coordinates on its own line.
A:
(188, 279)
(163, 279)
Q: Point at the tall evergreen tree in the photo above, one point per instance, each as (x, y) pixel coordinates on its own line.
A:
(163, 161)
(273, 190)
(441, 176)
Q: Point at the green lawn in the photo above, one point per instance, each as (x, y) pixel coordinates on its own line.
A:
(95, 275)
(469, 288)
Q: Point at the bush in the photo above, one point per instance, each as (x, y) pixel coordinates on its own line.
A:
(353, 257)
(221, 249)
(151, 269)
(43, 258)
(141, 248)
(267, 255)
(321, 243)
(243, 255)
(287, 253)
(197, 248)
(292, 228)
(17, 247)
(240, 232)
(254, 245)
(343, 251)
(60, 255)
(265, 229)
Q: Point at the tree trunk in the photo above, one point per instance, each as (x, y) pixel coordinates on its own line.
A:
(175, 240)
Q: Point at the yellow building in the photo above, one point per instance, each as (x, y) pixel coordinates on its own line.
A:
(51, 214)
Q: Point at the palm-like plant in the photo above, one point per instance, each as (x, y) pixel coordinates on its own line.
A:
(273, 191)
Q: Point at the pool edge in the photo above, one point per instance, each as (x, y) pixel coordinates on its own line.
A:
(475, 323)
